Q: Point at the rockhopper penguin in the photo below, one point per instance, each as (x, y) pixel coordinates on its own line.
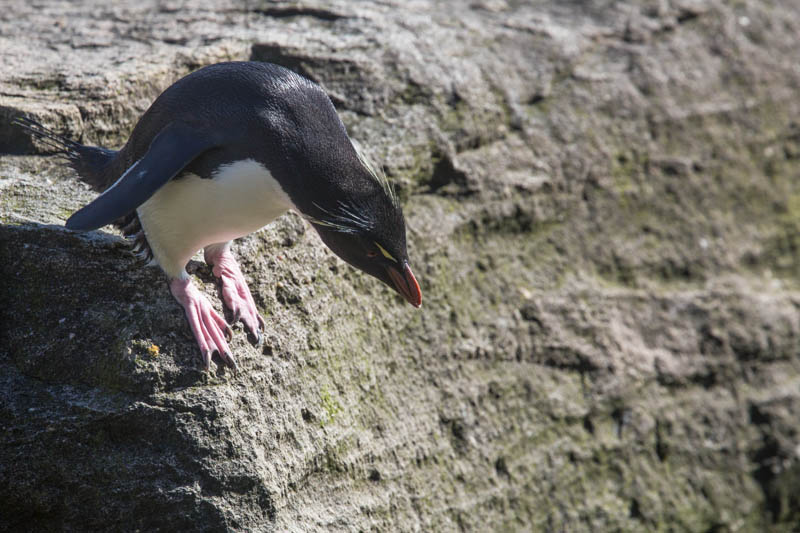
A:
(220, 154)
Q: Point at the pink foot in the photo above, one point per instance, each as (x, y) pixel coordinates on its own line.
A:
(235, 292)
(210, 330)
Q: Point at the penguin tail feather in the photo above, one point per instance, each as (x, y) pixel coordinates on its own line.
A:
(87, 161)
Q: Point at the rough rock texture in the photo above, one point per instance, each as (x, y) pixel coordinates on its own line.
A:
(604, 206)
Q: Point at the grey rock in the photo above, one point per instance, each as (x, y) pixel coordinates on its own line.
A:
(603, 213)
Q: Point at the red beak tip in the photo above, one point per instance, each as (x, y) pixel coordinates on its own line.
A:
(415, 294)
(406, 284)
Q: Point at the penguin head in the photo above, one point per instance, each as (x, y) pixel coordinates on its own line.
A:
(368, 231)
(352, 206)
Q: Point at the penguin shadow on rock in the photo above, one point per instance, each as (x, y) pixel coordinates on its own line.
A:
(220, 154)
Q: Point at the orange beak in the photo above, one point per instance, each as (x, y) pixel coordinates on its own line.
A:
(406, 284)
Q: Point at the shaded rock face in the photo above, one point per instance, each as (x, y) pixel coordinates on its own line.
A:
(603, 212)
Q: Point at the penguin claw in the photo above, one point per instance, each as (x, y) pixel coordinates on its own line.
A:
(230, 361)
(255, 337)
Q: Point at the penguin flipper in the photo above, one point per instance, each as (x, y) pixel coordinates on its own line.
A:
(170, 151)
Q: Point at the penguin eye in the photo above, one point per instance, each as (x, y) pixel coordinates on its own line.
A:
(372, 253)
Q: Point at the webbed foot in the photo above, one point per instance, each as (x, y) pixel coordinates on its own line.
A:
(210, 329)
(235, 292)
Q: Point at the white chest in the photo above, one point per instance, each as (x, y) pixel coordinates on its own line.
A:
(190, 213)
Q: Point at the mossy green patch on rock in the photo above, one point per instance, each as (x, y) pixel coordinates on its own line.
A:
(330, 406)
